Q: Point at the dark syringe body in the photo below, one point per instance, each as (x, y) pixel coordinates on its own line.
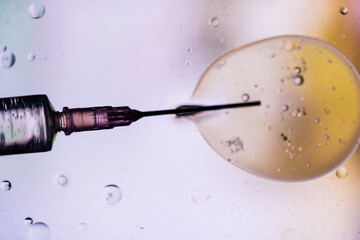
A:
(29, 123)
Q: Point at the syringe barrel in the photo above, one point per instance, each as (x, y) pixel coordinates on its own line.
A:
(26, 124)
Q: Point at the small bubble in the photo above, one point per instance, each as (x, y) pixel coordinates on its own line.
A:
(189, 49)
(39, 231)
(284, 108)
(81, 227)
(112, 194)
(7, 59)
(296, 71)
(31, 57)
(5, 185)
(298, 80)
(36, 10)
(300, 149)
(62, 180)
(342, 172)
(289, 46)
(326, 137)
(199, 197)
(187, 63)
(308, 164)
(3, 48)
(343, 10)
(28, 221)
(316, 120)
(278, 170)
(245, 97)
(214, 22)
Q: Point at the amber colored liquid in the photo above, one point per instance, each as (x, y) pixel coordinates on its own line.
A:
(308, 121)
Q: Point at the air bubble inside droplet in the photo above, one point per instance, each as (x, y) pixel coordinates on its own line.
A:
(7, 59)
(296, 71)
(112, 194)
(39, 231)
(343, 10)
(245, 97)
(5, 185)
(36, 10)
(298, 80)
(342, 172)
(284, 108)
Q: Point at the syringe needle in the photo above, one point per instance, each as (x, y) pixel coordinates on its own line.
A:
(96, 118)
(186, 110)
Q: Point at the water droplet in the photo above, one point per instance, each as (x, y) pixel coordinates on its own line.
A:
(342, 172)
(31, 57)
(39, 231)
(326, 137)
(81, 227)
(62, 180)
(245, 97)
(296, 71)
(308, 164)
(316, 120)
(5, 185)
(28, 221)
(289, 46)
(298, 80)
(112, 194)
(7, 59)
(343, 10)
(300, 149)
(36, 10)
(284, 108)
(187, 63)
(214, 22)
(278, 170)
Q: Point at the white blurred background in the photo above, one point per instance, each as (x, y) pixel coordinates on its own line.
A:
(150, 55)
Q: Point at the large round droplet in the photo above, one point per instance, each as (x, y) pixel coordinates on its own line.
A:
(261, 151)
(5, 185)
(36, 10)
(39, 231)
(7, 59)
(112, 194)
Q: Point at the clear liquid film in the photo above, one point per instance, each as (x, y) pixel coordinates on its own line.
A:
(308, 121)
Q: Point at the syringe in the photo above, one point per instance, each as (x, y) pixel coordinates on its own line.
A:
(30, 123)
